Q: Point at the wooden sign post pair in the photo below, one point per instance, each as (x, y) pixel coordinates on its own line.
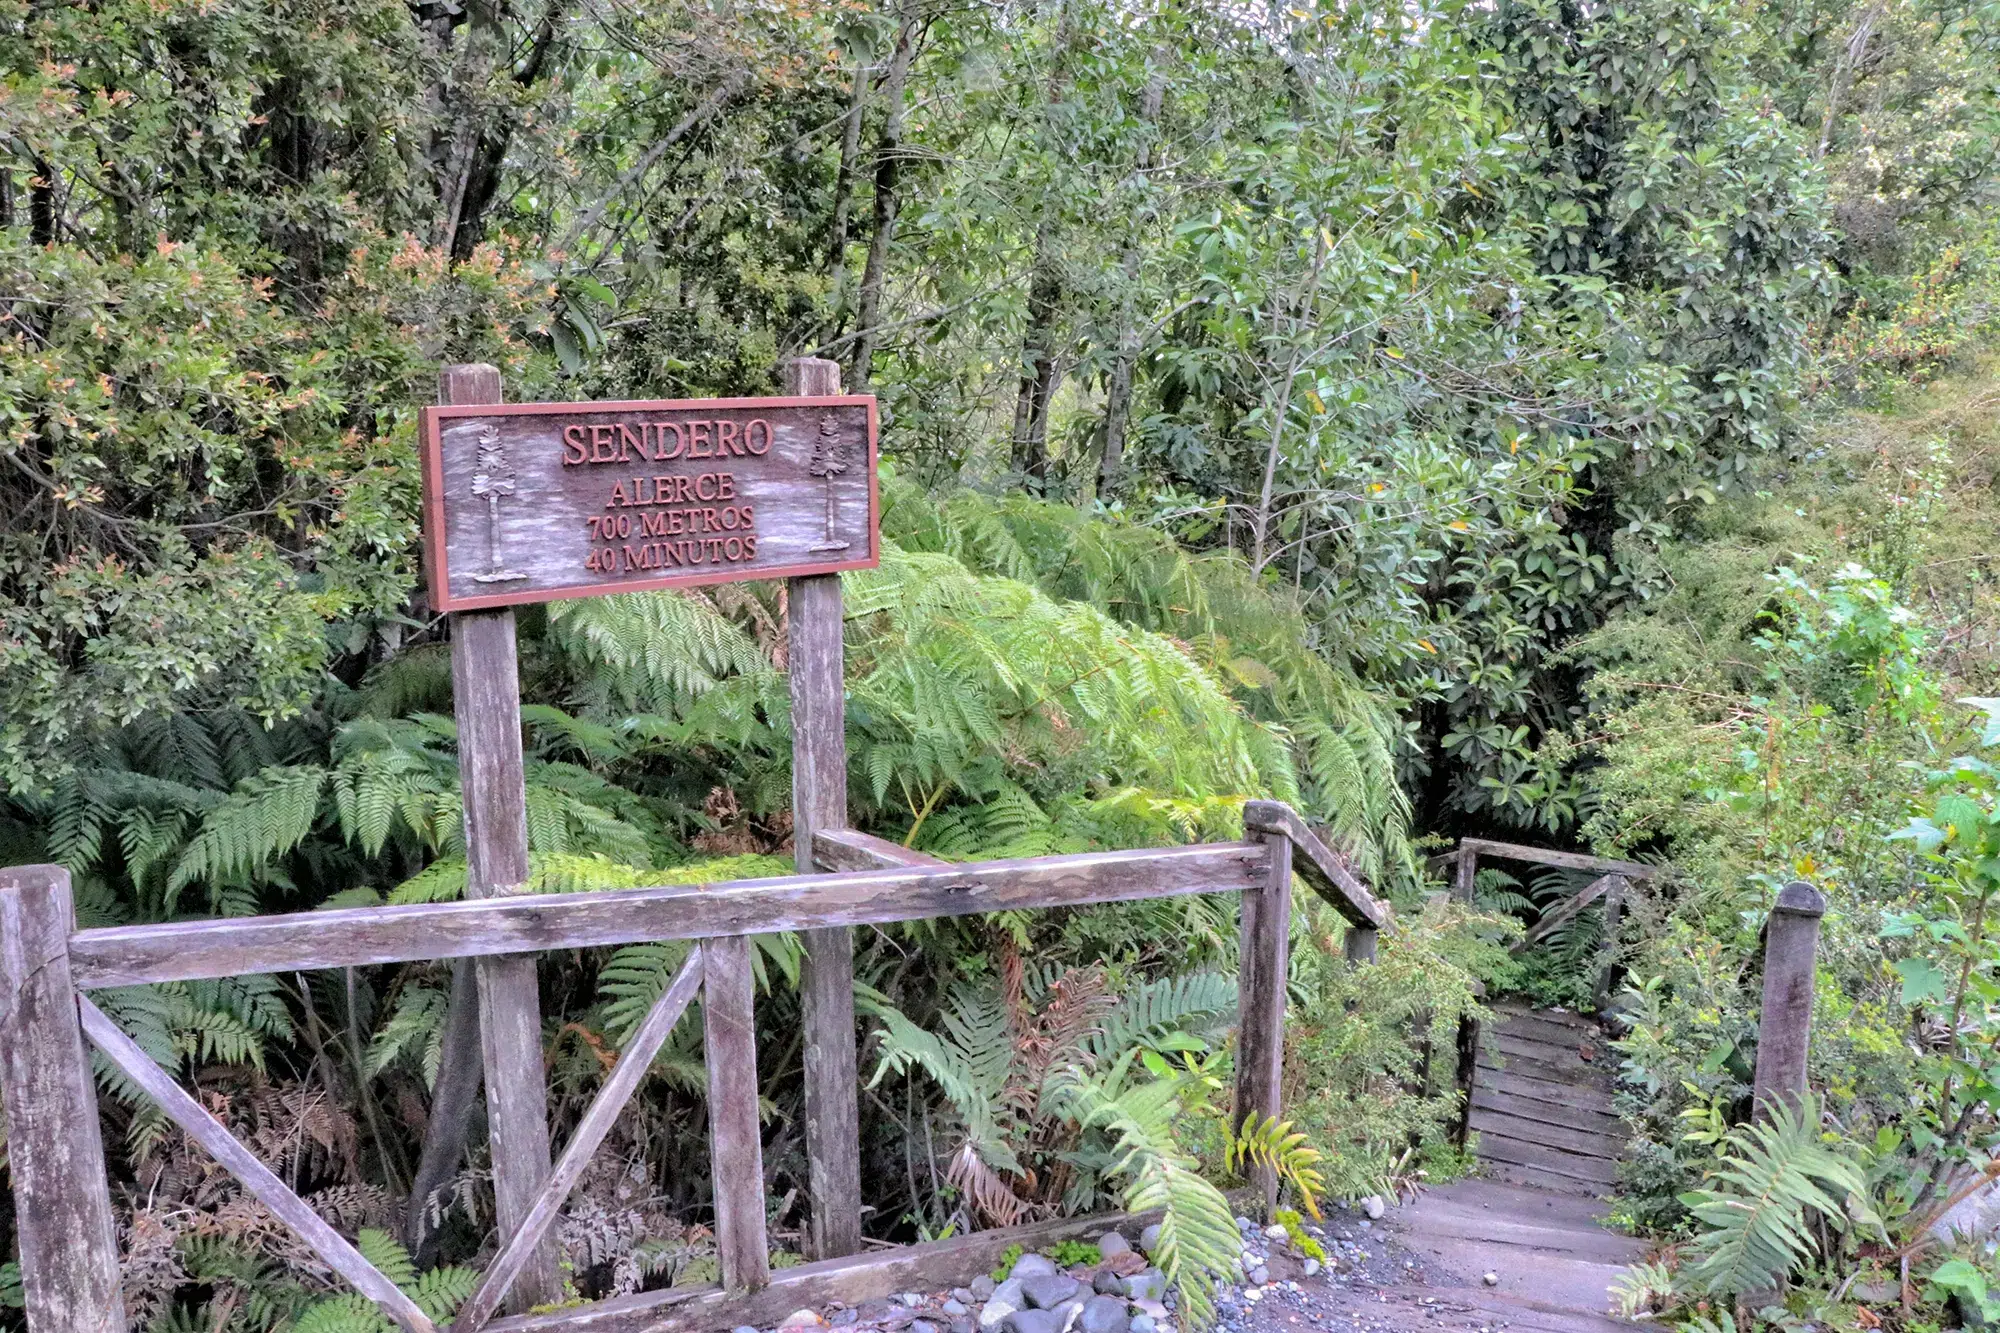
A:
(550, 500)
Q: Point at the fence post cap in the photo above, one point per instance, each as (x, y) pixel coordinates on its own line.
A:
(1799, 898)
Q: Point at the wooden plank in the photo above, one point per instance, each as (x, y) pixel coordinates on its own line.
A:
(1565, 1056)
(1563, 914)
(273, 1193)
(1541, 1111)
(849, 1280)
(851, 849)
(1587, 1143)
(1548, 1070)
(634, 1059)
(1261, 976)
(736, 1146)
(816, 663)
(1784, 1028)
(55, 1153)
(486, 701)
(1556, 1092)
(361, 936)
(1542, 1182)
(1514, 851)
(1546, 1025)
(1320, 866)
(1504, 1147)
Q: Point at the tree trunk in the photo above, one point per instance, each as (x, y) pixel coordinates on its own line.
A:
(1038, 362)
(475, 151)
(843, 197)
(1118, 398)
(454, 1102)
(1038, 354)
(42, 204)
(888, 166)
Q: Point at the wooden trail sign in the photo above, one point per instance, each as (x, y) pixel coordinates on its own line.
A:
(538, 501)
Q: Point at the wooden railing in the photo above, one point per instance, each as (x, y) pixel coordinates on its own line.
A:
(47, 967)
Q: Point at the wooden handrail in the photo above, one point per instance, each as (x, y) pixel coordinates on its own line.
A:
(362, 936)
(1514, 851)
(1322, 867)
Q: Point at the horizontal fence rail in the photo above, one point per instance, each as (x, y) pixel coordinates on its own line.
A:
(530, 923)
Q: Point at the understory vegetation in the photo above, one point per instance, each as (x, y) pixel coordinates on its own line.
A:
(1573, 424)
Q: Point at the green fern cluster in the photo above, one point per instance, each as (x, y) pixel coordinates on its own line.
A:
(1251, 639)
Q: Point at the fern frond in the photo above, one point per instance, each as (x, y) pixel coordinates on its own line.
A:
(1755, 1210)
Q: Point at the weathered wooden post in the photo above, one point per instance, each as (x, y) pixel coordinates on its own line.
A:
(486, 700)
(1614, 910)
(1359, 945)
(736, 1147)
(816, 662)
(62, 1201)
(1784, 1029)
(1260, 989)
(1463, 887)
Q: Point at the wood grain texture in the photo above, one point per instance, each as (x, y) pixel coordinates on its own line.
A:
(1318, 864)
(1784, 1029)
(362, 936)
(486, 701)
(55, 1153)
(849, 1280)
(1464, 884)
(850, 849)
(270, 1191)
(1261, 975)
(736, 1148)
(816, 663)
(634, 1059)
(1614, 920)
(1514, 851)
(698, 491)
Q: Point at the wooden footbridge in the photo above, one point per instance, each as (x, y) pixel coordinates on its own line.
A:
(1524, 1242)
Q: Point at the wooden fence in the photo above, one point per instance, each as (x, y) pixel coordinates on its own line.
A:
(69, 1253)
(48, 968)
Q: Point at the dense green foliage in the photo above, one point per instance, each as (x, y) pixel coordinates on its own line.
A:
(1400, 411)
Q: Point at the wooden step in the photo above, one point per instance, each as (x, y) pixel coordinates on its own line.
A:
(1544, 1111)
(1540, 1026)
(1503, 1147)
(1590, 1144)
(1555, 1092)
(1571, 1072)
(1567, 1058)
(1535, 1178)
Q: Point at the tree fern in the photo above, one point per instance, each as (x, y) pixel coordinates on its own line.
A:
(1769, 1179)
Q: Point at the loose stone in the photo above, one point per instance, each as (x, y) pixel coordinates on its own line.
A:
(1111, 1244)
(1034, 1321)
(1048, 1291)
(1033, 1265)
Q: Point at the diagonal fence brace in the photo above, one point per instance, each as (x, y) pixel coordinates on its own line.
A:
(227, 1149)
(633, 1062)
